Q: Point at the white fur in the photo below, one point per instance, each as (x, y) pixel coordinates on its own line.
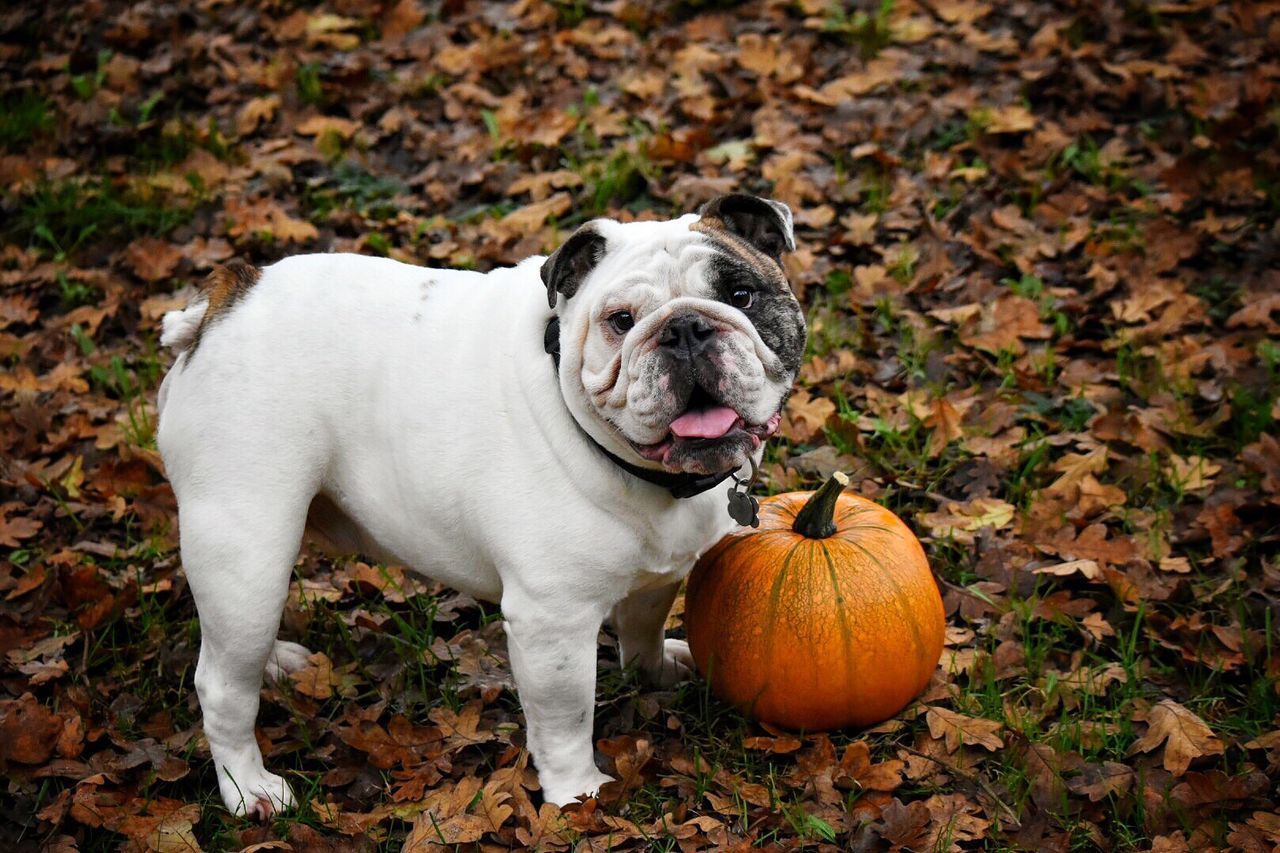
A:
(421, 403)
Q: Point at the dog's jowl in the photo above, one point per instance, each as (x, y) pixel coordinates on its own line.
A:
(552, 437)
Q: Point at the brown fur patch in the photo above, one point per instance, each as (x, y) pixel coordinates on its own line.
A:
(765, 267)
(224, 287)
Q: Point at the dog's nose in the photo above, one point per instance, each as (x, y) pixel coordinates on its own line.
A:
(686, 335)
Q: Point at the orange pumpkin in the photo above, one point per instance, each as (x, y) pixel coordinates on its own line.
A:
(825, 616)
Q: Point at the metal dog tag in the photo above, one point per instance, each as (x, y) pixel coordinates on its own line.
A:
(743, 508)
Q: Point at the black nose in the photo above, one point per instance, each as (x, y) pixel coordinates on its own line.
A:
(686, 335)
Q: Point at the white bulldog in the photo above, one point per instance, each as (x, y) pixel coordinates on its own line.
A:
(415, 415)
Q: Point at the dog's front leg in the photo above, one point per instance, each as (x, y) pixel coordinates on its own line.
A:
(553, 657)
(640, 621)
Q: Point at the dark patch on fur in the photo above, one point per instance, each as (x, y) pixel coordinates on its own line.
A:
(774, 310)
(224, 287)
(567, 267)
(712, 455)
(755, 221)
(749, 235)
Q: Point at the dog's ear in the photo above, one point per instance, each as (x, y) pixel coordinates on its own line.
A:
(762, 222)
(567, 267)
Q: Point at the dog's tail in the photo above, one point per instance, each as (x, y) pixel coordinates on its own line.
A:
(179, 329)
(226, 285)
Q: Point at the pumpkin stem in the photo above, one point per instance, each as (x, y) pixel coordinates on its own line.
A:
(815, 519)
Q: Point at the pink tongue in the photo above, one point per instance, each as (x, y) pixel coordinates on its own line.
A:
(709, 423)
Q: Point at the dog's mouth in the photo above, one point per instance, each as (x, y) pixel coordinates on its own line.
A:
(707, 423)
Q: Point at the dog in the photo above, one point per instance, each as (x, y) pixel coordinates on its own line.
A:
(547, 436)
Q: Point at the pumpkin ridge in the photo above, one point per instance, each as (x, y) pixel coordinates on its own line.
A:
(842, 615)
(901, 598)
(727, 546)
(844, 534)
(853, 512)
(775, 592)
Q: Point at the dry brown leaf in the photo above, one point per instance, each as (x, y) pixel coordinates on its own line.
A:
(1099, 781)
(255, 112)
(956, 729)
(249, 217)
(152, 259)
(1087, 568)
(961, 521)
(805, 416)
(320, 125)
(13, 529)
(316, 679)
(28, 730)
(1185, 736)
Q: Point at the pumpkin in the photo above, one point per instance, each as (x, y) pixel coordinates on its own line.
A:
(825, 616)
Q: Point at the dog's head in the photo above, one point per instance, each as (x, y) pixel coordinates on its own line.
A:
(679, 340)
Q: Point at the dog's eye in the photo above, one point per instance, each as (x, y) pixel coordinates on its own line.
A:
(621, 321)
(742, 297)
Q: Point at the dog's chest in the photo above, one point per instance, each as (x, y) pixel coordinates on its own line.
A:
(693, 528)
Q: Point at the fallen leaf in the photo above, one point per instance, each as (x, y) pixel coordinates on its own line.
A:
(28, 730)
(961, 521)
(956, 729)
(316, 679)
(1185, 736)
(16, 528)
(805, 416)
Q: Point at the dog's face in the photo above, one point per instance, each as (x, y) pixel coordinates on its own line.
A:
(679, 340)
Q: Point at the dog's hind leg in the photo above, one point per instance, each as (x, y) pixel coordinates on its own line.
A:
(285, 659)
(238, 550)
(640, 621)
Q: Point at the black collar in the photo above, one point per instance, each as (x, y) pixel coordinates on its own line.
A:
(679, 485)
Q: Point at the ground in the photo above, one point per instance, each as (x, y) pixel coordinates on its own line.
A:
(1038, 253)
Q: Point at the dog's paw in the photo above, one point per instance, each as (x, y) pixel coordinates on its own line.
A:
(677, 665)
(258, 796)
(286, 658)
(565, 791)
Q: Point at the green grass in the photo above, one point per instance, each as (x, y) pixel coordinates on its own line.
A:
(348, 186)
(868, 31)
(64, 216)
(24, 117)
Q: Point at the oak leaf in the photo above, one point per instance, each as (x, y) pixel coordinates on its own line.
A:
(961, 521)
(321, 125)
(1003, 324)
(532, 216)
(316, 679)
(152, 259)
(264, 216)
(28, 731)
(857, 766)
(255, 112)
(1014, 118)
(945, 421)
(1186, 737)
(955, 729)
(401, 19)
(805, 416)
(1099, 781)
(14, 529)
(1087, 568)
(906, 826)
(1191, 473)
